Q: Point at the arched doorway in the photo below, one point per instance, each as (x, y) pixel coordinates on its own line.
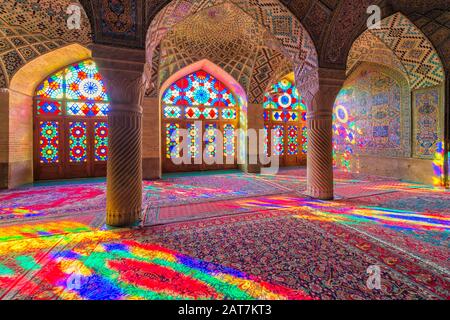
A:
(70, 124)
(285, 123)
(204, 106)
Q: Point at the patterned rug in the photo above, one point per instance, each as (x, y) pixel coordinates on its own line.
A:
(228, 236)
(272, 255)
(72, 198)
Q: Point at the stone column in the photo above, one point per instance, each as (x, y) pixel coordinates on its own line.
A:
(320, 148)
(122, 70)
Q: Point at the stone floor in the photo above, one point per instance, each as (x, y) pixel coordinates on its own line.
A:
(228, 235)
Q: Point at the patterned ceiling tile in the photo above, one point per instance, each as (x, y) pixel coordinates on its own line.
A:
(293, 39)
(33, 27)
(369, 48)
(222, 34)
(415, 51)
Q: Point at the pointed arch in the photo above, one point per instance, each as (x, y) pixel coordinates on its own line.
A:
(292, 39)
(410, 51)
(176, 113)
(18, 147)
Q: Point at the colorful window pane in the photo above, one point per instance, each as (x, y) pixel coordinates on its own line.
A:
(49, 142)
(304, 140)
(285, 112)
(285, 116)
(210, 140)
(229, 114)
(51, 108)
(199, 89)
(194, 113)
(229, 140)
(77, 142)
(84, 82)
(172, 112)
(89, 109)
(52, 87)
(283, 96)
(195, 140)
(278, 140)
(101, 141)
(292, 140)
(172, 140)
(266, 140)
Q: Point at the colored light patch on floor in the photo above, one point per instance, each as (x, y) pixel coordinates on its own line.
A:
(344, 213)
(51, 201)
(33, 230)
(18, 212)
(128, 269)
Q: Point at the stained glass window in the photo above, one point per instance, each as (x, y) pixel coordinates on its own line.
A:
(52, 108)
(195, 140)
(229, 140)
(101, 141)
(285, 112)
(172, 140)
(266, 140)
(84, 82)
(304, 140)
(77, 142)
(284, 96)
(292, 140)
(71, 109)
(49, 142)
(172, 112)
(278, 140)
(194, 113)
(89, 109)
(210, 140)
(79, 86)
(199, 97)
(52, 87)
(199, 89)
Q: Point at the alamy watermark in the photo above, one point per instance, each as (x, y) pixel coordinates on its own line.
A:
(374, 280)
(374, 20)
(248, 140)
(74, 18)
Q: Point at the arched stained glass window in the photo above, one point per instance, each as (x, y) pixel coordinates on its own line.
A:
(285, 123)
(71, 108)
(198, 97)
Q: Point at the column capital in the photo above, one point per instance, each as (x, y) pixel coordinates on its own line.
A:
(331, 77)
(123, 72)
(330, 83)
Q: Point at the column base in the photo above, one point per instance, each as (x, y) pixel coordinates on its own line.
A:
(123, 219)
(319, 194)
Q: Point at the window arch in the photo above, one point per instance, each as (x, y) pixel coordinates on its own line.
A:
(71, 126)
(285, 123)
(198, 97)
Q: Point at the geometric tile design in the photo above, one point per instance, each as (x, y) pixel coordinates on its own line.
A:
(372, 114)
(152, 88)
(31, 28)
(292, 38)
(369, 48)
(421, 61)
(428, 118)
(269, 67)
(229, 38)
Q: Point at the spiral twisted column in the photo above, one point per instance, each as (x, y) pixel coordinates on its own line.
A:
(122, 70)
(320, 134)
(124, 170)
(320, 160)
